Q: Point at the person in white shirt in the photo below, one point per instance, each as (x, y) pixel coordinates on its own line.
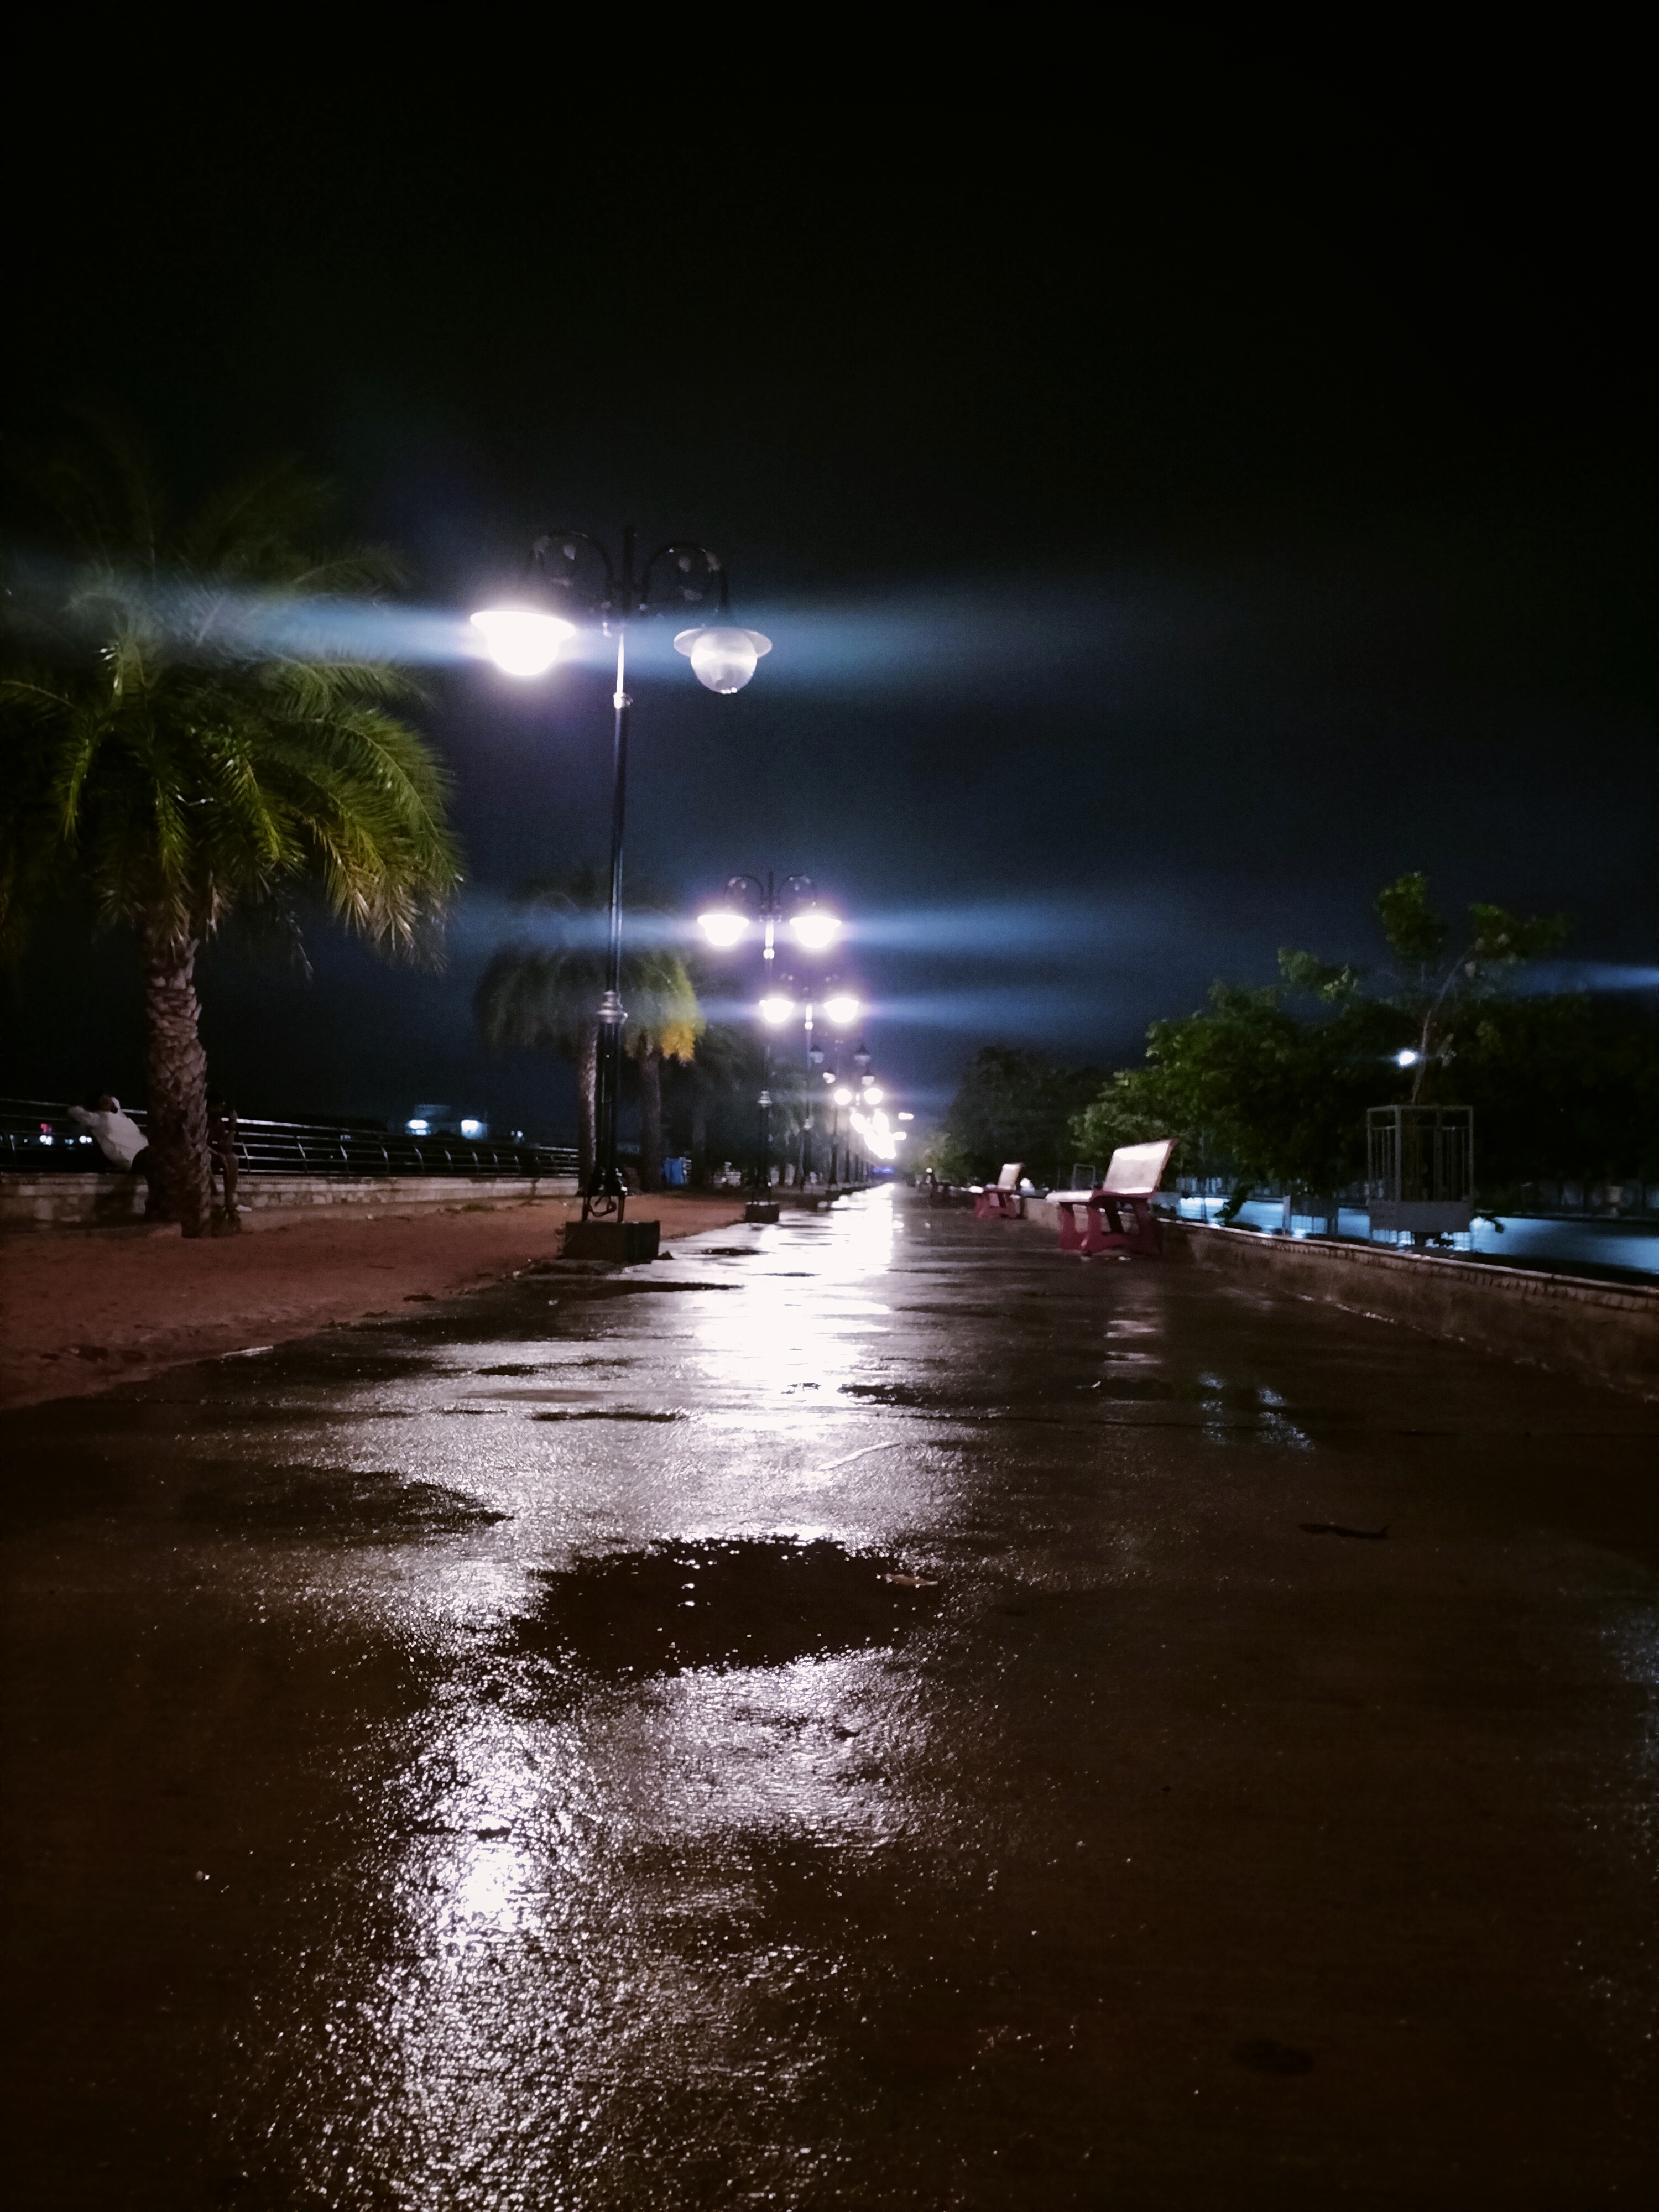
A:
(118, 1136)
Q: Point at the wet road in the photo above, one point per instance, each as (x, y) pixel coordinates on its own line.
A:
(871, 1712)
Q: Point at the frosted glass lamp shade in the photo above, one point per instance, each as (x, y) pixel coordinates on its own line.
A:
(723, 660)
(843, 1010)
(722, 925)
(522, 641)
(814, 927)
(777, 1009)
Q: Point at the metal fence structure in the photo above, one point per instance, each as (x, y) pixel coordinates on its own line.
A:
(1419, 1167)
(38, 1137)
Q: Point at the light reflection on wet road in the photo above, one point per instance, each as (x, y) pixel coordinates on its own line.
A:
(849, 1716)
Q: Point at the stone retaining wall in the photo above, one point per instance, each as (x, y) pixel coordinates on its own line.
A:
(1605, 1333)
(84, 1202)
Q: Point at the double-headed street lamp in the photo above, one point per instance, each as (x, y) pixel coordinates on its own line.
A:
(571, 573)
(746, 902)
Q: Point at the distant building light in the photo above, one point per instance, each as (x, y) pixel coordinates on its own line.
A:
(472, 1128)
(1407, 1059)
(907, 1117)
(418, 1127)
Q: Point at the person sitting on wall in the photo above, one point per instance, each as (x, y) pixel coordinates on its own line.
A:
(119, 1138)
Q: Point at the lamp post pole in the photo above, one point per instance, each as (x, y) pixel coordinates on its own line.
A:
(570, 571)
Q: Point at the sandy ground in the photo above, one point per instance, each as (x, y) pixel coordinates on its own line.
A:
(84, 1308)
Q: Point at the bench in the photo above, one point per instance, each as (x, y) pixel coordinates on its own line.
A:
(1118, 1216)
(1000, 1201)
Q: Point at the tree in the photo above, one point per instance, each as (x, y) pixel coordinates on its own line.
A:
(727, 1070)
(167, 752)
(1440, 993)
(1011, 1105)
(1259, 1090)
(544, 992)
(1253, 1090)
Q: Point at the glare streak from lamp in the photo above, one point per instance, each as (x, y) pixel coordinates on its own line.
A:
(523, 634)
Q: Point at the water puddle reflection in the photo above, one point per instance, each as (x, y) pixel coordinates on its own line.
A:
(740, 1602)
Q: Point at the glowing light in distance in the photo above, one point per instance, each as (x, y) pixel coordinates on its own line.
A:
(417, 1129)
(522, 641)
(722, 925)
(873, 1094)
(472, 1128)
(907, 1117)
(814, 928)
(843, 1096)
(776, 1008)
(842, 1009)
(1407, 1059)
(723, 660)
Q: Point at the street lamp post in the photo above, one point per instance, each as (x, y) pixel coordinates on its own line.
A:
(771, 900)
(570, 571)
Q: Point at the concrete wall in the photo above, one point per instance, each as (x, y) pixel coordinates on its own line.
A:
(1599, 1332)
(48, 1201)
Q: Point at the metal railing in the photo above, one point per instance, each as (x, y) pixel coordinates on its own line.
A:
(38, 1137)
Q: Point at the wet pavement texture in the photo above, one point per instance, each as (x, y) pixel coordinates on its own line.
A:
(880, 1713)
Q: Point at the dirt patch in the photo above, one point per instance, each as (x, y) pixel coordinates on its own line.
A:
(87, 1308)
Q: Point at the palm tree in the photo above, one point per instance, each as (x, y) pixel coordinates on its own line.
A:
(169, 750)
(727, 1062)
(544, 994)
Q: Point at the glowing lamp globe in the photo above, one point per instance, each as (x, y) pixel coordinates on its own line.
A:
(1407, 1059)
(842, 1010)
(522, 641)
(777, 1009)
(723, 660)
(814, 928)
(873, 1094)
(843, 1096)
(722, 925)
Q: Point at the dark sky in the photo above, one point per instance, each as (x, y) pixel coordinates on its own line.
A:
(1188, 482)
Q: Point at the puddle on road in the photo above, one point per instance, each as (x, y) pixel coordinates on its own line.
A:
(605, 1413)
(336, 1503)
(744, 1602)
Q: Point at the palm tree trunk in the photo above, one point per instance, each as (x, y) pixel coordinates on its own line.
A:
(651, 1119)
(177, 1123)
(588, 1091)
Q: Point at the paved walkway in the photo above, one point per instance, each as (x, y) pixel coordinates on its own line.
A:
(866, 1713)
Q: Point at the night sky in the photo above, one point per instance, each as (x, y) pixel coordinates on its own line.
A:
(1186, 483)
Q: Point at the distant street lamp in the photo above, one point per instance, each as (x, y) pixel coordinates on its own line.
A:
(524, 635)
(792, 901)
